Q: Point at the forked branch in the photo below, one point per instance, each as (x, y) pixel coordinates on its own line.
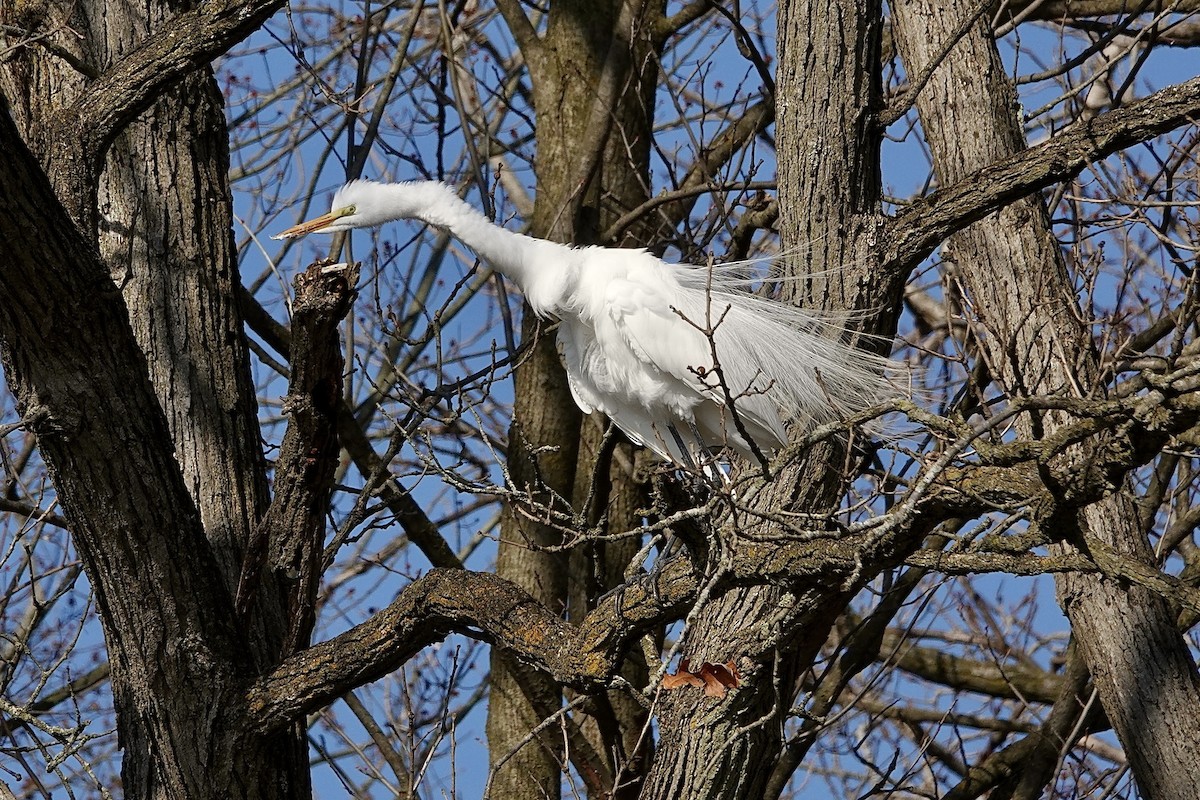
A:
(188, 41)
(288, 540)
(914, 233)
(485, 607)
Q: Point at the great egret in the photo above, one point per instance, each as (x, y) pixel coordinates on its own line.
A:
(681, 357)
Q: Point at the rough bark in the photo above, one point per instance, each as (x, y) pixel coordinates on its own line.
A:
(581, 71)
(827, 95)
(285, 558)
(156, 197)
(613, 722)
(545, 419)
(144, 412)
(1036, 342)
(162, 214)
(167, 238)
(546, 422)
(177, 658)
(608, 495)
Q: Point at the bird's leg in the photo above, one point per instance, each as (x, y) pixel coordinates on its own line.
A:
(711, 466)
(684, 451)
(674, 543)
(618, 595)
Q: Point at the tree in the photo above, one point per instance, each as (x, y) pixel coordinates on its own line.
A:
(281, 503)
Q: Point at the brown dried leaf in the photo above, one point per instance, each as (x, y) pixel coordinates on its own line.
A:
(714, 679)
(682, 677)
(718, 678)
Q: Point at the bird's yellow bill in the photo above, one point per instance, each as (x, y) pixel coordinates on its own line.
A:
(312, 226)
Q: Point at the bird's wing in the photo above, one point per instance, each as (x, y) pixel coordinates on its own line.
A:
(665, 327)
(651, 327)
(597, 384)
(574, 344)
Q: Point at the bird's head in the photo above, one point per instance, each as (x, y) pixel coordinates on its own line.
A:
(358, 204)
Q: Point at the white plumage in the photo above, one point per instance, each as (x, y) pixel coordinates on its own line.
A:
(638, 334)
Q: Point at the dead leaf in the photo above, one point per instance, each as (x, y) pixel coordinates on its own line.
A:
(718, 678)
(715, 679)
(682, 677)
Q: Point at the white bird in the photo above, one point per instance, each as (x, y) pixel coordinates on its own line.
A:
(681, 357)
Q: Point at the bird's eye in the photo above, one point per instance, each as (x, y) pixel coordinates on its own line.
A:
(347, 211)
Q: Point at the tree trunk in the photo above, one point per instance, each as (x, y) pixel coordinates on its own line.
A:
(168, 241)
(163, 232)
(178, 663)
(1036, 343)
(829, 185)
(544, 436)
(586, 80)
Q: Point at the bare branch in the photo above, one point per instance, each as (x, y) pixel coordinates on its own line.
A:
(417, 525)
(34, 513)
(521, 29)
(190, 40)
(716, 153)
(485, 607)
(669, 26)
(914, 233)
(288, 540)
(1030, 10)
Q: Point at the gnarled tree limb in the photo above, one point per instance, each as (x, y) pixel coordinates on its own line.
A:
(486, 607)
(915, 232)
(288, 540)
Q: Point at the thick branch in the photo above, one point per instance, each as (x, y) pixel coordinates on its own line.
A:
(190, 40)
(584, 657)
(1011, 681)
(1065, 10)
(72, 144)
(69, 351)
(417, 525)
(521, 28)
(494, 610)
(666, 27)
(290, 536)
(914, 233)
(485, 607)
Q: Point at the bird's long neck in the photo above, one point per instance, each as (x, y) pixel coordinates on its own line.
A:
(513, 255)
